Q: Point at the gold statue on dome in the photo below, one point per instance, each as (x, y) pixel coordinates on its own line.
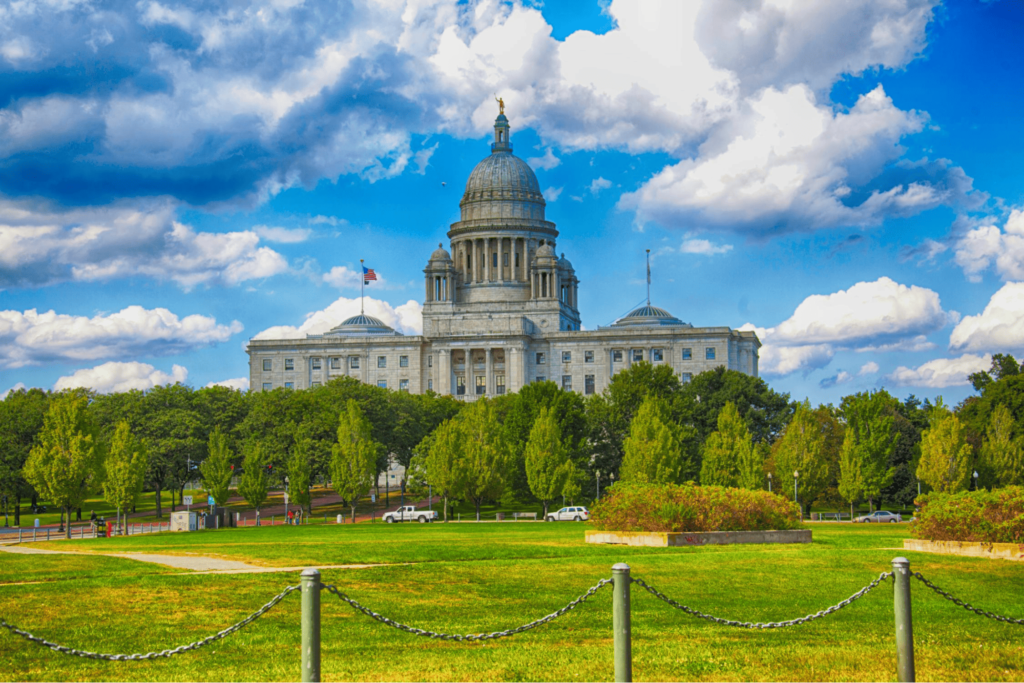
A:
(501, 105)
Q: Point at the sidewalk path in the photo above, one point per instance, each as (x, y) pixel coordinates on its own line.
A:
(197, 563)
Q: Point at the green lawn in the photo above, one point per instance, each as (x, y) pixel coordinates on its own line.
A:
(471, 577)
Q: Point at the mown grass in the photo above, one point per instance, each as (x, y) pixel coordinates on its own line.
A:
(482, 577)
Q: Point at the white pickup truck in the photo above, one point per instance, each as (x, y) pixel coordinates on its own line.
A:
(409, 513)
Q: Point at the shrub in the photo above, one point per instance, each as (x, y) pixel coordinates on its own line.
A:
(979, 516)
(675, 508)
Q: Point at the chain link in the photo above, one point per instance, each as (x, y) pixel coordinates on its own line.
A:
(151, 655)
(961, 603)
(771, 624)
(473, 636)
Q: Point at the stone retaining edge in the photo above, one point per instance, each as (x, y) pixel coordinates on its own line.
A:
(671, 539)
(1001, 551)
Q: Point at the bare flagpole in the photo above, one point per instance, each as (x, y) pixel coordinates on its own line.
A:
(648, 277)
(362, 284)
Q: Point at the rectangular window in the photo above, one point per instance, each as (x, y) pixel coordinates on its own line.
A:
(460, 386)
(656, 355)
(541, 378)
(638, 355)
(494, 260)
(616, 356)
(289, 364)
(686, 376)
(567, 382)
(382, 383)
(267, 386)
(382, 361)
(335, 364)
(430, 385)
(481, 385)
(588, 385)
(709, 353)
(687, 354)
(316, 384)
(566, 356)
(588, 356)
(317, 364)
(517, 259)
(505, 260)
(499, 384)
(540, 359)
(403, 385)
(430, 361)
(403, 361)
(289, 385)
(267, 365)
(353, 362)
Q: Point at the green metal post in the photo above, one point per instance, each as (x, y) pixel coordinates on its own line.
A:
(904, 623)
(621, 624)
(310, 582)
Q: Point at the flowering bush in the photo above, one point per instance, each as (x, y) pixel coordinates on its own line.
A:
(670, 507)
(980, 516)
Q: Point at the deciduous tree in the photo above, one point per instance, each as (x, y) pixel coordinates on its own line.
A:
(485, 456)
(945, 454)
(300, 475)
(66, 464)
(125, 467)
(255, 483)
(354, 456)
(802, 449)
(870, 440)
(656, 449)
(216, 469)
(440, 456)
(725, 449)
(1001, 451)
(547, 459)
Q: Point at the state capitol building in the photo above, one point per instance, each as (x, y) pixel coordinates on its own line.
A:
(500, 311)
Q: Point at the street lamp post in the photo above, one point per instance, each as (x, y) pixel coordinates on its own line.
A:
(796, 490)
(769, 482)
(975, 480)
(286, 500)
(598, 474)
(430, 497)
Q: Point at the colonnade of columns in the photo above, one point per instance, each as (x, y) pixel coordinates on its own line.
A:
(475, 258)
(495, 370)
(439, 287)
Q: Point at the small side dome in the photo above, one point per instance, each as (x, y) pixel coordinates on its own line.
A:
(440, 254)
(361, 325)
(546, 251)
(564, 263)
(649, 316)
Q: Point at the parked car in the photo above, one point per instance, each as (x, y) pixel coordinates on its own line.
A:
(575, 514)
(880, 516)
(409, 513)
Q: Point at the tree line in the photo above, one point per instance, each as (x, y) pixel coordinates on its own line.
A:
(537, 445)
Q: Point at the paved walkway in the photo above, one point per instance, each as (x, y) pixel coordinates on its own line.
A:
(197, 563)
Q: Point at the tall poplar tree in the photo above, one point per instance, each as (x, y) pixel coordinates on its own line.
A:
(353, 457)
(255, 483)
(485, 457)
(870, 440)
(725, 449)
(1001, 451)
(547, 459)
(216, 469)
(802, 449)
(441, 458)
(300, 474)
(125, 466)
(66, 464)
(945, 454)
(654, 452)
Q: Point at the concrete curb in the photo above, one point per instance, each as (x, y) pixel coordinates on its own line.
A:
(1000, 551)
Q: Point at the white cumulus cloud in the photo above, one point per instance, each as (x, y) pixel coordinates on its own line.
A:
(700, 246)
(552, 193)
(546, 162)
(116, 377)
(869, 368)
(282, 235)
(16, 387)
(33, 338)
(599, 184)
(1000, 327)
(239, 383)
(407, 318)
(987, 246)
(941, 372)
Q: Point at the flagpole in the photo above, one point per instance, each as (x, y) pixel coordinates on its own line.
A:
(362, 283)
(648, 277)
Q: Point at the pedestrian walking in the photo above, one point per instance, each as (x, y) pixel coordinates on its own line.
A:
(291, 517)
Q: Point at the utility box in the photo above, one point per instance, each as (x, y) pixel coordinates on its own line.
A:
(185, 520)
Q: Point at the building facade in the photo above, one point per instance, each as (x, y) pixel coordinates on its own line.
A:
(500, 311)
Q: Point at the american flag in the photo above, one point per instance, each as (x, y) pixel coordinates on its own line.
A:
(368, 275)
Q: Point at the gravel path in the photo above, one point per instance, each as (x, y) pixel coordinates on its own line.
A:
(197, 563)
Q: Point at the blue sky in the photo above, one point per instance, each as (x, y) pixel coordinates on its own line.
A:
(178, 177)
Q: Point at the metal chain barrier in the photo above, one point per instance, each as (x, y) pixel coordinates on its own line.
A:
(771, 624)
(473, 636)
(966, 606)
(151, 655)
